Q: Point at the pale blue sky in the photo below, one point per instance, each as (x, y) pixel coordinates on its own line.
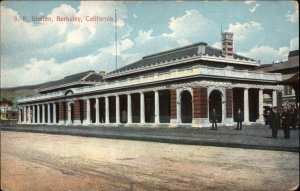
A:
(36, 52)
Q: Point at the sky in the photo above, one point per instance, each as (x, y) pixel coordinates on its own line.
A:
(34, 52)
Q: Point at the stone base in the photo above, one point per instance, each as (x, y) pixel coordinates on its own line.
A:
(229, 121)
(262, 121)
(86, 122)
(173, 123)
(77, 122)
(60, 122)
(200, 122)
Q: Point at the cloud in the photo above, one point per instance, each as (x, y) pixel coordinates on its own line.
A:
(41, 70)
(293, 17)
(253, 9)
(294, 43)
(190, 26)
(59, 39)
(243, 31)
(135, 16)
(144, 36)
(249, 1)
(28, 47)
(217, 45)
(268, 55)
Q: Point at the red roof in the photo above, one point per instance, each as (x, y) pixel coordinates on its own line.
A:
(292, 62)
(4, 105)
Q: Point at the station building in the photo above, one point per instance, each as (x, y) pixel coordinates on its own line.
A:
(178, 87)
(290, 76)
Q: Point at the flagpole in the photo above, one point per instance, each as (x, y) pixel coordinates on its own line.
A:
(116, 44)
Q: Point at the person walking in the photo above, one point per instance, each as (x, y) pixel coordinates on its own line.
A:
(293, 117)
(124, 116)
(239, 119)
(286, 118)
(214, 119)
(274, 122)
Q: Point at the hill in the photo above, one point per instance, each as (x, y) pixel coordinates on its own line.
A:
(13, 93)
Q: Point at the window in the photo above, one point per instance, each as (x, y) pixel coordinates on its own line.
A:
(288, 90)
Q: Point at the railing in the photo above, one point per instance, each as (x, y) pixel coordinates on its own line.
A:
(168, 75)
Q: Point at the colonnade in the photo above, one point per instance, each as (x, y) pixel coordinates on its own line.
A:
(36, 114)
(48, 113)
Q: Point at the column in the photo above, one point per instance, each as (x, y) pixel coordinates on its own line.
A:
(54, 113)
(29, 114)
(43, 113)
(142, 104)
(106, 110)
(69, 112)
(260, 105)
(129, 109)
(178, 108)
(24, 115)
(48, 114)
(33, 114)
(246, 105)
(117, 109)
(97, 110)
(20, 115)
(274, 98)
(38, 114)
(156, 111)
(88, 111)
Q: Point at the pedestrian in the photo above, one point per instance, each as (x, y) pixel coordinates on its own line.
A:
(239, 119)
(214, 119)
(286, 118)
(268, 117)
(124, 116)
(293, 117)
(102, 118)
(274, 122)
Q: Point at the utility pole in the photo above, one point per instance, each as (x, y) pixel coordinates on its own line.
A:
(116, 39)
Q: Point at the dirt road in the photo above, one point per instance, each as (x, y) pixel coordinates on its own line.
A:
(57, 162)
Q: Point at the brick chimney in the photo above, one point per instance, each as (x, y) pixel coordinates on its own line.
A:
(227, 44)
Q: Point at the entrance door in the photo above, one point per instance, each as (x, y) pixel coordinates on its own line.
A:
(72, 112)
(186, 107)
(215, 102)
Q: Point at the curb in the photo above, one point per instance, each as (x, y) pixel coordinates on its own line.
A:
(136, 137)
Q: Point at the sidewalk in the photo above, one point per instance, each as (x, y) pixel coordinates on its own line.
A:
(251, 137)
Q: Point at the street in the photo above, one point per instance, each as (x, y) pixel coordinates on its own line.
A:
(33, 161)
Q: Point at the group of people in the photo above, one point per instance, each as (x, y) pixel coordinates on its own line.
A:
(239, 119)
(285, 119)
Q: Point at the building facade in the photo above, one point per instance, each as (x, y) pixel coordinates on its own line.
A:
(179, 87)
(288, 69)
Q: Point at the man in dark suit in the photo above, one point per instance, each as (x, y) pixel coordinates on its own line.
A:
(239, 119)
(214, 119)
(294, 117)
(274, 122)
(286, 121)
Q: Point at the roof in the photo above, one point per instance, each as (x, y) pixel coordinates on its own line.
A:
(292, 62)
(88, 78)
(178, 53)
(4, 105)
(293, 81)
(294, 53)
